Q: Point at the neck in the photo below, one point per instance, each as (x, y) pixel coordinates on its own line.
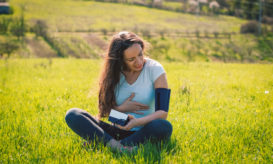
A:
(130, 72)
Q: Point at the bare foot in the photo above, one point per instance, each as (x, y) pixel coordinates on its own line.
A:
(117, 146)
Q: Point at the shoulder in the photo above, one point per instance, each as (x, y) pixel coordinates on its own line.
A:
(152, 63)
(154, 68)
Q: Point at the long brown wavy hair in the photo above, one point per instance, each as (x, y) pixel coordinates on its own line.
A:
(113, 66)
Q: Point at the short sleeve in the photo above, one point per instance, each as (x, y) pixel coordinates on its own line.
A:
(156, 69)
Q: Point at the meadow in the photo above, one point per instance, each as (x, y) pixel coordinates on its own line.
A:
(221, 113)
(82, 29)
(76, 16)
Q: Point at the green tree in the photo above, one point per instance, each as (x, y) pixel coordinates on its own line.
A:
(251, 9)
(40, 28)
(8, 47)
(4, 25)
(18, 27)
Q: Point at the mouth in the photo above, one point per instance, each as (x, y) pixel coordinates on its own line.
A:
(138, 67)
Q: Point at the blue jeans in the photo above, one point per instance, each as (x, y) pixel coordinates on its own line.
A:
(90, 128)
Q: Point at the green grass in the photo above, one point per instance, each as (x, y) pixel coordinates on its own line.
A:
(71, 24)
(173, 5)
(238, 48)
(70, 15)
(219, 112)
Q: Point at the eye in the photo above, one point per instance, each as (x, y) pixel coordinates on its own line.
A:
(130, 60)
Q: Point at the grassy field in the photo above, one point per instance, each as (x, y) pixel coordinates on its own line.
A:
(70, 15)
(221, 113)
(82, 29)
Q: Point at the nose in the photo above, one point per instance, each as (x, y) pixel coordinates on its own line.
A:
(138, 61)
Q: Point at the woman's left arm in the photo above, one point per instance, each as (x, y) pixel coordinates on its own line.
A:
(161, 82)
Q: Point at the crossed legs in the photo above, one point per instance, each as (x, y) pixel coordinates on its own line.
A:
(89, 128)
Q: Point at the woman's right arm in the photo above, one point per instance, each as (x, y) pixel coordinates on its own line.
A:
(131, 106)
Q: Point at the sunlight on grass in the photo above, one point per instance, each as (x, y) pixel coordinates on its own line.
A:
(91, 15)
(220, 113)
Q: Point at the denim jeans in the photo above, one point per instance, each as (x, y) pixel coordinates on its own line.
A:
(90, 128)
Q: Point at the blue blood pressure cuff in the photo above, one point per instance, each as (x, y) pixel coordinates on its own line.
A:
(162, 99)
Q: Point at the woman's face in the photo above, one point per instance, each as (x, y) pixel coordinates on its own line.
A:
(133, 58)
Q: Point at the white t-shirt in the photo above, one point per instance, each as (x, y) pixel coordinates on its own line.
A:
(143, 88)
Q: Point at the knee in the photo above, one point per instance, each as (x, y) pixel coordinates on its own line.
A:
(162, 127)
(71, 115)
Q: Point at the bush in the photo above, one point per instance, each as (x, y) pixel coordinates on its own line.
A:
(265, 46)
(267, 20)
(214, 7)
(163, 33)
(104, 31)
(197, 33)
(18, 27)
(216, 34)
(8, 46)
(4, 25)
(11, 10)
(250, 27)
(146, 33)
(40, 28)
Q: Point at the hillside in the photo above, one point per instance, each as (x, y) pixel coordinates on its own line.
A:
(70, 15)
(82, 29)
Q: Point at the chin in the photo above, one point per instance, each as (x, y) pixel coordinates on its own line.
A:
(138, 69)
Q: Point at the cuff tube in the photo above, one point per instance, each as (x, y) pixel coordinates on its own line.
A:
(162, 99)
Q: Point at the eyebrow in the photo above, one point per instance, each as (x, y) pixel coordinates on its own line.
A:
(134, 57)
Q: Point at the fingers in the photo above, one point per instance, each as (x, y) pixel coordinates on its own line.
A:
(116, 125)
(138, 112)
(129, 125)
(131, 96)
(122, 127)
(141, 106)
(131, 116)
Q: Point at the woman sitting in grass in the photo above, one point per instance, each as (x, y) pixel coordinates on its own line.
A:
(133, 85)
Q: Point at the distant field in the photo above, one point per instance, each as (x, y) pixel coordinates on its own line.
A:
(70, 15)
(82, 29)
(221, 113)
(173, 5)
(237, 48)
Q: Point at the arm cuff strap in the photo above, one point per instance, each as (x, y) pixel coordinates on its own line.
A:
(162, 99)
